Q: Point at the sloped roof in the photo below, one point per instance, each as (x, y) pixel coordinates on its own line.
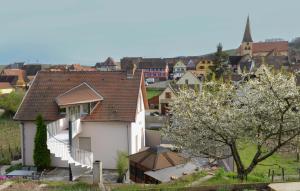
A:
(234, 60)
(108, 62)
(14, 72)
(83, 93)
(120, 95)
(277, 62)
(191, 65)
(247, 34)
(270, 46)
(155, 158)
(179, 64)
(152, 63)
(78, 67)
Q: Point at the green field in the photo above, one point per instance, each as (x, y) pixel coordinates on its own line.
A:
(275, 162)
(9, 140)
(153, 92)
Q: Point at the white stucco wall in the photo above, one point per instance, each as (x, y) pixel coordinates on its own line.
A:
(106, 139)
(28, 147)
(137, 130)
(190, 77)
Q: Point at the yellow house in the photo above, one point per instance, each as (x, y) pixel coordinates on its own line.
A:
(5, 88)
(203, 67)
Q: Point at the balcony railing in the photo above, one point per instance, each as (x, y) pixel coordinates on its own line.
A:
(58, 143)
(56, 127)
(82, 156)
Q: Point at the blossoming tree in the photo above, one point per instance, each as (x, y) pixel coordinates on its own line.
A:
(263, 111)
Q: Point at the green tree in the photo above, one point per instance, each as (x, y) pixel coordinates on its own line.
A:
(41, 155)
(10, 103)
(262, 112)
(220, 59)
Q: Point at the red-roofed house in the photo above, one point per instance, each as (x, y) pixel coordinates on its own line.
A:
(5, 88)
(90, 116)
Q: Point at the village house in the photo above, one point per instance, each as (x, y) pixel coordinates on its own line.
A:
(190, 79)
(6, 88)
(179, 69)
(108, 65)
(203, 66)
(16, 77)
(90, 116)
(155, 68)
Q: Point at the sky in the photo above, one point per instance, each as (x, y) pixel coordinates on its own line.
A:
(89, 31)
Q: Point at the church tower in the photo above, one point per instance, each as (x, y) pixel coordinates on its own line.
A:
(246, 46)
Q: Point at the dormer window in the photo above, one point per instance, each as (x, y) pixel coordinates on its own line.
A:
(83, 97)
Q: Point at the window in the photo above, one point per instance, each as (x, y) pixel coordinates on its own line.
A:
(186, 81)
(168, 95)
(62, 111)
(85, 108)
(201, 67)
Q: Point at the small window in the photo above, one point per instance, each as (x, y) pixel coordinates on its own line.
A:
(201, 67)
(62, 111)
(86, 108)
(186, 81)
(168, 95)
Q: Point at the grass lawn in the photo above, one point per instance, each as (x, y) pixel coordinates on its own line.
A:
(222, 177)
(275, 162)
(153, 92)
(9, 139)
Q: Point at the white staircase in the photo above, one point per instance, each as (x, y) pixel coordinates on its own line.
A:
(58, 144)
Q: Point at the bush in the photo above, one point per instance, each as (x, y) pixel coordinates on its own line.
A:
(10, 103)
(41, 154)
(220, 173)
(122, 164)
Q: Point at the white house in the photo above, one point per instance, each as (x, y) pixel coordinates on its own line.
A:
(90, 116)
(179, 69)
(189, 79)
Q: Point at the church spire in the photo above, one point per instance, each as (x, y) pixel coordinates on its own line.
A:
(247, 34)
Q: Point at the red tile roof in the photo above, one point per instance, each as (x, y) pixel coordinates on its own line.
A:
(269, 46)
(119, 93)
(83, 93)
(14, 72)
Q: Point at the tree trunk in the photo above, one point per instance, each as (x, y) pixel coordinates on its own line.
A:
(242, 174)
